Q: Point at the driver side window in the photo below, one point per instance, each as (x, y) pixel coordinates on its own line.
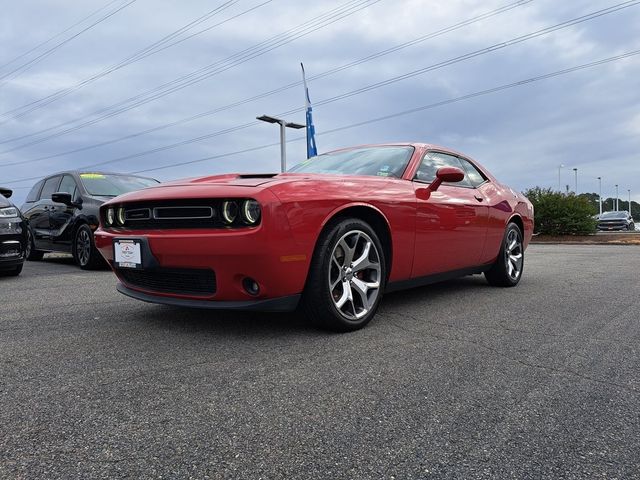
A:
(68, 185)
(432, 161)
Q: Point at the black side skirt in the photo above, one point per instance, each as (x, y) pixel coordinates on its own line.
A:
(435, 278)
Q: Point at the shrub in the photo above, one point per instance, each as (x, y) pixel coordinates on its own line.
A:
(559, 214)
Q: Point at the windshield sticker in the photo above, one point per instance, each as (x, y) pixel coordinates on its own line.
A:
(91, 175)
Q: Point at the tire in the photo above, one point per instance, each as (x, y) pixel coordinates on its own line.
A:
(508, 268)
(31, 253)
(11, 273)
(85, 253)
(346, 277)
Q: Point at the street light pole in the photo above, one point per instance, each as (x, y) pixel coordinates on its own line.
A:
(559, 178)
(629, 190)
(283, 136)
(600, 193)
(616, 197)
(575, 170)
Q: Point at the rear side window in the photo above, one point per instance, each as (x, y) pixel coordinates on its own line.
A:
(432, 161)
(476, 177)
(33, 194)
(50, 186)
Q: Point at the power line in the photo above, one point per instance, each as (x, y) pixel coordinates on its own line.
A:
(22, 68)
(41, 44)
(139, 55)
(397, 114)
(404, 76)
(332, 71)
(418, 109)
(277, 41)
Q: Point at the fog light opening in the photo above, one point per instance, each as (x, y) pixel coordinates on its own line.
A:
(251, 286)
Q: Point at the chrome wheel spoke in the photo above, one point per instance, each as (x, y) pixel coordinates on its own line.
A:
(354, 275)
(363, 262)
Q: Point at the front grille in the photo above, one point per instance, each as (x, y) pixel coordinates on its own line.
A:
(176, 214)
(182, 281)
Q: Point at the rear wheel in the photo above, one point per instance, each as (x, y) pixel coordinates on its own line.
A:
(30, 252)
(507, 270)
(346, 277)
(85, 253)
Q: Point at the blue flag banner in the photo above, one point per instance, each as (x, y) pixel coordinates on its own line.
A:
(312, 149)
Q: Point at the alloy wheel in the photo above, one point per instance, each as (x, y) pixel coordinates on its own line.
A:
(83, 247)
(513, 251)
(354, 275)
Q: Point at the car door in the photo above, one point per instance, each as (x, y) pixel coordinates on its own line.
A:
(451, 223)
(61, 216)
(38, 215)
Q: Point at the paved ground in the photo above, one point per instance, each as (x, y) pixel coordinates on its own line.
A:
(458, 380)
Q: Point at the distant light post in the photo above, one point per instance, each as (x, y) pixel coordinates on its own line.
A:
(575, 170)
(283, 141)
(560, 177)
(600, 193)
(617, 198)
(629, 201)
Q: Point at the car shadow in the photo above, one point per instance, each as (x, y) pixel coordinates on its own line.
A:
(238, 323)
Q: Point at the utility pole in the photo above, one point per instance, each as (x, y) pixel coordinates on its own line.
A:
(559, 177)
(283, 140)
(600, 193)
(617, 198)
(629, 201)
(575, 170)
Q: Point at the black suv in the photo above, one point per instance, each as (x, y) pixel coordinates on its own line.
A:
(616, 221)
(62, 212)
(13, 236)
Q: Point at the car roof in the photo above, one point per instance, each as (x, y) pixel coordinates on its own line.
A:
(425, 146)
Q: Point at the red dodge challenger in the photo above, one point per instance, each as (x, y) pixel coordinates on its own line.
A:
(331, 235)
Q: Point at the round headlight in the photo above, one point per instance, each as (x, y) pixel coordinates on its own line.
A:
(251, 211)
(120, 216)
(110, 216)
(229, 211)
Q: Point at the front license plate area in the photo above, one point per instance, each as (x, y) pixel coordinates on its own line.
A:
(127, 253)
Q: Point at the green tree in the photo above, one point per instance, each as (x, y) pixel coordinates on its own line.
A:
(559, 214)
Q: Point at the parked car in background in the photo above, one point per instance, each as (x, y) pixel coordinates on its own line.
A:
(61, 211)
(616, 221)
(334, 233)
(13, 236)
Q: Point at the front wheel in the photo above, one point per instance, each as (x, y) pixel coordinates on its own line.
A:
(346, 277)
(85, 253)
(507, 270)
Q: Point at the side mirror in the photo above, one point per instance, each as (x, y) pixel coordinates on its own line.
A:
(6, 192)
(63, 197)
(446, 174)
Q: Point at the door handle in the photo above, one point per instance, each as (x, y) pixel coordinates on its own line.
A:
(478, 197)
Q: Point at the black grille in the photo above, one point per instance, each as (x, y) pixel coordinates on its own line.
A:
(173, 214)
(183, 281)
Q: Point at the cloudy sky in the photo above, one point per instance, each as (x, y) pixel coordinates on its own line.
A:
(137, 85)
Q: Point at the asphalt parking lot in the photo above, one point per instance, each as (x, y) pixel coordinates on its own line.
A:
(457, 380)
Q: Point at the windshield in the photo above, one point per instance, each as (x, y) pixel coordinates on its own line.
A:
(376, 161)
(104, 185)
(614, 215)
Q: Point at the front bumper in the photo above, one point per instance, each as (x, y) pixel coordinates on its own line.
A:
(270, 257)
(11, 252)
(281, 304)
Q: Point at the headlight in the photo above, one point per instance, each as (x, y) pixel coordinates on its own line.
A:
(120, 216)
(8, 212)
(229, 211)
(251, 212)
(109, 217)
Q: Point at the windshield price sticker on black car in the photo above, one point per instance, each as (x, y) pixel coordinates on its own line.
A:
(127, 253)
